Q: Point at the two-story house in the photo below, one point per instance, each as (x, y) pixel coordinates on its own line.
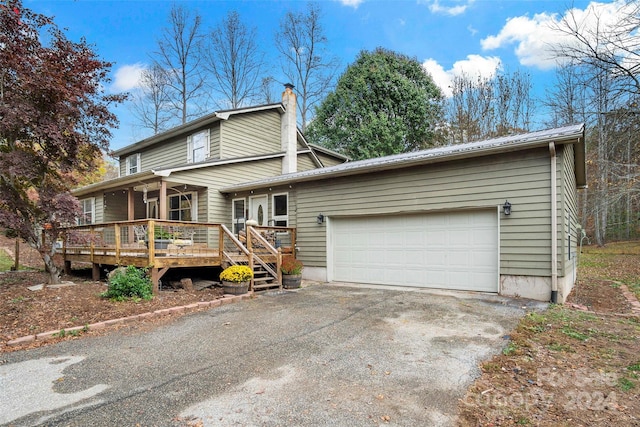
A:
(178, 174)
(496, 216)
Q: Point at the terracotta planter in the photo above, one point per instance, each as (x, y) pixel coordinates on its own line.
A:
(233, 288)
(291, 281)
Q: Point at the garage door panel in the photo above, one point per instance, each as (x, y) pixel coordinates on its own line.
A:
(452, 250)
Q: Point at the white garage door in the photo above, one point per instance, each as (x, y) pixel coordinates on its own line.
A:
(445, 250)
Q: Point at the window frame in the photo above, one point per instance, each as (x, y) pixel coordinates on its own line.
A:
(279, 218)
(81, 220)
(128, 166)
(206, 145)
(194, 206)
(238, 226)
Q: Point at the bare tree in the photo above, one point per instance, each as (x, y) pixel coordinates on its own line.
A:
(234, 59)
(306, 62)
(151, 104)
(178, 54)
(266, 90)
(485, 107)
(613, 47)
(605, 57)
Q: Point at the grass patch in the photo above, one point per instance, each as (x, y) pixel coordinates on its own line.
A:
(625, 384)
(561, 348)
(570, 332)
(6, 262)
(510, 349)
(634, 368)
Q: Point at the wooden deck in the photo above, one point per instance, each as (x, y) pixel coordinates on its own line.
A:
(176, 245)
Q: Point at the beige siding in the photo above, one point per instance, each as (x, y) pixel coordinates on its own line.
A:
(305, 162)
(115, 205)
(522, 178)
(250, 134)
(173, 152)
(328, 160)
(214, 141)
(214, 206)
(569, 211)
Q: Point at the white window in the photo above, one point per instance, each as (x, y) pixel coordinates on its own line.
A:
(238, 215)
(133, 164)
(198, 146)
(88, 211)
(183, 207)
(280, 210)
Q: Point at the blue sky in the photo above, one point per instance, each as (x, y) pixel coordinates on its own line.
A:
(447, 36)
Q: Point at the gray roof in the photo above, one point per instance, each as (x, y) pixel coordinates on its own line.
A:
(573, 134)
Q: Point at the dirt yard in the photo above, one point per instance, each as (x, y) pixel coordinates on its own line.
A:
(26, 312)
(568, 366)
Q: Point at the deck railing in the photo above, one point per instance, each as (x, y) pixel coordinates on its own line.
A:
(161, 245)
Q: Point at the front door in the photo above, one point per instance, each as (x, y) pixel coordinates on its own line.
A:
(258, 209)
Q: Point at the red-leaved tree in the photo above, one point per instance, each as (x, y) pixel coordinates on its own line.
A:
(54, 120)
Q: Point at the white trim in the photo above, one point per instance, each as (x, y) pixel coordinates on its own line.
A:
(265, 198)
(169, 171)
(150, 202)
(194, 204)
(128, 164)
(91, 212)
(190, 146)
(233, 213)
(275, 217)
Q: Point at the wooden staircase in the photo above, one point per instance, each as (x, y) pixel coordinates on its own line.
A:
(263, 259)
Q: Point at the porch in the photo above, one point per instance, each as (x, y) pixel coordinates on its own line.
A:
(179, 244)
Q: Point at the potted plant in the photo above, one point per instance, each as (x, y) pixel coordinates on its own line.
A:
(161, 238)
(235, 279)
(291, 269)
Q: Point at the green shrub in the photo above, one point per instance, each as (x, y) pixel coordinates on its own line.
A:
(131, 283)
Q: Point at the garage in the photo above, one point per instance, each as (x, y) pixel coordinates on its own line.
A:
(452, 250)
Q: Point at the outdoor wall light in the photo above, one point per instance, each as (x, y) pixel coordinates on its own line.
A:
(506, 208)
(320, 219)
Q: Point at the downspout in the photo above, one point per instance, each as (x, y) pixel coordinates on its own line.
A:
(554, 225)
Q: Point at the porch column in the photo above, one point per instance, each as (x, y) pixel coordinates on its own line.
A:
(163, 200)
(131, 212)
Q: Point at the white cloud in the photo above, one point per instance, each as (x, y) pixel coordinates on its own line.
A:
(352, 3)
(473, 66)
(457, 8)
(535, 38)
(127, 77)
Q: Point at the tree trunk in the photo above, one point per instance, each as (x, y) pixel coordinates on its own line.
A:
(54, 271)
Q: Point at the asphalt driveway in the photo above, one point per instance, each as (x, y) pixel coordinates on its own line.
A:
(322, 355)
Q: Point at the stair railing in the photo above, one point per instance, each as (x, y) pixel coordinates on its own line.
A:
(256, 241)
(230, 244)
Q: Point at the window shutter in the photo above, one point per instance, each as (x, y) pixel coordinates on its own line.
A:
(189, 150)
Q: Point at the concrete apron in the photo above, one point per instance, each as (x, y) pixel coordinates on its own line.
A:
(321, 355)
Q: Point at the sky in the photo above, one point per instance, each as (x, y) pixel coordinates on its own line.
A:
(447, 36)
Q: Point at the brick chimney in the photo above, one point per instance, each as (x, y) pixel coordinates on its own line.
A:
(289, 131)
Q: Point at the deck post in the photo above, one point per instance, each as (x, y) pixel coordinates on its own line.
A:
(67, 267)
(95, 271)
(278, 265)
(156, 275)
(250, 263)
(118, 242)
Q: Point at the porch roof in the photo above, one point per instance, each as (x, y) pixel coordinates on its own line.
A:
(573, 134)
(155, 174)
